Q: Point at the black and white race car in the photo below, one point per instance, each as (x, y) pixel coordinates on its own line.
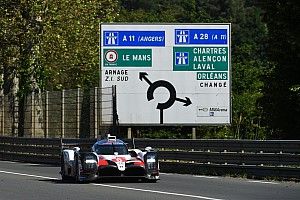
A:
(109, 157)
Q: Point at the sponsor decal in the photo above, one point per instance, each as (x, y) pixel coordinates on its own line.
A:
(120, 161)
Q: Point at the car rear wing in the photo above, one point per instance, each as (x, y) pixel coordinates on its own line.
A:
(83, 144)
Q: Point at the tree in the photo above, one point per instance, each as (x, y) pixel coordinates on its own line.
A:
(20, 32)
(281, 102)
(52, 44)
(69, 48)
(49, 45)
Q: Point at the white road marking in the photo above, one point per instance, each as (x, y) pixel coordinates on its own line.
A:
(118, 187)
(5, 161)
(158, 192)
(21, 163)
(28, 175)
(264, 182)
(32, 164)
(211, 177)
(164, 173)
(198, 176)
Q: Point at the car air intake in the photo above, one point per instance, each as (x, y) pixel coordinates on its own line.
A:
(89, 161)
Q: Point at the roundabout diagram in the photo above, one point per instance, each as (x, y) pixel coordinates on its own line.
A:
(172, 94)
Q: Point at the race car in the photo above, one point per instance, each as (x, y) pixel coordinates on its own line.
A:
(109, 157)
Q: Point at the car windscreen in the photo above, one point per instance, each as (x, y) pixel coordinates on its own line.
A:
(110, 149)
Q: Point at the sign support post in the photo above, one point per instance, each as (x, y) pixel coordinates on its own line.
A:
(194, 133)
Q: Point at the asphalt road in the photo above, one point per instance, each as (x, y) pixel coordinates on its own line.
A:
(35, 182)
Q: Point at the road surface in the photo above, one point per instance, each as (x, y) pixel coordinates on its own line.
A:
(27, 181)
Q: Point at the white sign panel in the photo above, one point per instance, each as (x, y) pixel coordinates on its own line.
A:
(171, 74)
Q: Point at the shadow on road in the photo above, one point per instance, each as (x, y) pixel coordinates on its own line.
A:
(102, 180)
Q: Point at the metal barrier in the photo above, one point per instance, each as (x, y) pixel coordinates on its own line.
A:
(254, 146)
(257, 158)
(35, 150)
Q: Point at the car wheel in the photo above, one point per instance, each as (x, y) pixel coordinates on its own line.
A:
(62, 168)
(77, 168)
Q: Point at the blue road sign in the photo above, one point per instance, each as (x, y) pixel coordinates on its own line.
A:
(200, 36)
(111, 38)
(134, 38)
(181, 58)
(182, 36)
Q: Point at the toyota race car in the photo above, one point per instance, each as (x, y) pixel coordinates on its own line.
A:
(109, 157)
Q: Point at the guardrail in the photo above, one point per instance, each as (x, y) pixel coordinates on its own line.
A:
(279, 159)
(255, 146)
